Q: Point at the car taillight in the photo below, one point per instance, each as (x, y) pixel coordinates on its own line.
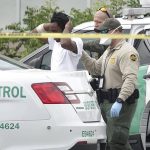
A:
(49, 93)
(54, 93)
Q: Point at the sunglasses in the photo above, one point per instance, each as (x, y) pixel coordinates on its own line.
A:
(104, 31)
(103, 9)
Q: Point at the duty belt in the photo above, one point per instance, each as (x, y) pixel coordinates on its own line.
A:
(112, 94)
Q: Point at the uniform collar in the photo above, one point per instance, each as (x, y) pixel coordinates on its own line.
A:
(118, 46)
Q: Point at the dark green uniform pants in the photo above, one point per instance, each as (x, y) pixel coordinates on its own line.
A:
(117, 129)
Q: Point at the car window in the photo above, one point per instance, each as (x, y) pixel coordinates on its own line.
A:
(126, 31)
(41, 61)
(46, 60)
(37, 59)
(143, 48)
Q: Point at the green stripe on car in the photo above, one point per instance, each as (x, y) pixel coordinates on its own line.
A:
(135, 125)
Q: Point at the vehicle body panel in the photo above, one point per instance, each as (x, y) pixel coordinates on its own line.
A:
(26, 123)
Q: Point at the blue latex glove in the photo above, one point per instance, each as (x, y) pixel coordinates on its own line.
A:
(115, 109)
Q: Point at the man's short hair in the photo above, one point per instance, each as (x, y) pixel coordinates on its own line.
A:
(60, 18)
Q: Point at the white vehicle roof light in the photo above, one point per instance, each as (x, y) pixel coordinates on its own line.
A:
(145, 3)
(135, 12)
(147, 27)
(84, 26)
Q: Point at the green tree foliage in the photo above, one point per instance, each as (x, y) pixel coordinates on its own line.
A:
(79, 16)
(116, 6)
(133, 3)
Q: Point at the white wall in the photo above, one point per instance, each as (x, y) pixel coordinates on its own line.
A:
(7, 12)
(12, 11)
(79, 4)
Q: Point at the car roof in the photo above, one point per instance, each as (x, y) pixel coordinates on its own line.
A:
(126, 24)
(14, 62)
(136, 21)
(84, 26)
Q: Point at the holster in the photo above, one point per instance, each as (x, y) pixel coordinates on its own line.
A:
(112, 94)
(134, 96)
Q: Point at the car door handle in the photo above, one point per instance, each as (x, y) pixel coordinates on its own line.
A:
(90, 92)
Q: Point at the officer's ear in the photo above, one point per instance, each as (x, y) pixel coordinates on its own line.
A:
(120, 29)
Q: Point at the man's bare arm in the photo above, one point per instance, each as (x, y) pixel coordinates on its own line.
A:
(42, 28)
(67, 43)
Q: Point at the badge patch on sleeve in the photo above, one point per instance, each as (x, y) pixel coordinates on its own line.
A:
(112, 60)
(133, 57)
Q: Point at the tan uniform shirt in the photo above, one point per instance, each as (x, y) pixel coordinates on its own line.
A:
(120, 66)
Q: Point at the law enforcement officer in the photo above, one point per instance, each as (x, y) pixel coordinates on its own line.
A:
(93, 46)
(117, 93)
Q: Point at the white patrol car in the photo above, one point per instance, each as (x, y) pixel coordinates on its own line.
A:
(43, 110)
(133, 22)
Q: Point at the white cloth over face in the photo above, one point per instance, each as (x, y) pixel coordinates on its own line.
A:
(63, 59)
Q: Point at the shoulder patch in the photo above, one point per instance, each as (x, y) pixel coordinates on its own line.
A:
(133, 57)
